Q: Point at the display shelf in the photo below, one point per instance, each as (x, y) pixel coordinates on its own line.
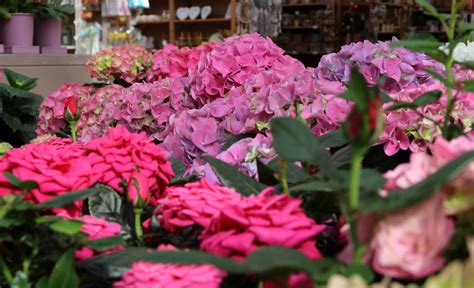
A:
(208, 20)
(302, 5)
(301, 28)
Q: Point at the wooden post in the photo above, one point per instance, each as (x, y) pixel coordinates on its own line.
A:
(233, 21)
(172, 28)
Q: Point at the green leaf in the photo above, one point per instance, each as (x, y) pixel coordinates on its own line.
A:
(468, 85)
(27, 185)
(342, 157)
(20, 280)
(105, 243)
(183, 180)
(9, 223)
(266, 174)
(294, 174)
(263, 261)
(361, 270)
(68, 227)
(19, 81)
(312, 186)
(231, 177)
(464, 28)
(332, 139)
(425, 99)
(467, 65)
(64, 272)
(430, 9)
(422, 45)
(404, 198)
(106, 204)
(293, 141)
(69, 198)
(42, 283)
(358, 90)
(178, 167)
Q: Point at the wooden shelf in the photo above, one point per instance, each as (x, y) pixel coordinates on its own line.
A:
(153, 23)
(304, 5)
(301, 28)
(208, 20)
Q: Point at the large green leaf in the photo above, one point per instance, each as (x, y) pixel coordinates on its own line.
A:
(106, 204)
(64, 272)
(27, 185)
(178, 167)
(404, 198)
(468, 85)
(332, 139)
(20, 280)
(425, 99)
(105, 243)
(231, 177)
(69, 198)
(68, 227)
(421, 45)
(293, 141)
(263, 261)
(19, 81)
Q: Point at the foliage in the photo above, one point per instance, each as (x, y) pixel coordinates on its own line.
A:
(7, 7)
(53, 9)
(19, 108)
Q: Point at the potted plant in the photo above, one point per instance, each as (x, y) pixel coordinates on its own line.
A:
(18, 22)
(48, 24)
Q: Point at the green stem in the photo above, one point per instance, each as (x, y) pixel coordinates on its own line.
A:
(138, 223)
(283, 176)
(6, 272)
(354, 185)
(72, 124)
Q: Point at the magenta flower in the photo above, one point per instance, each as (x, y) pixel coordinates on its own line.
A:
(118, 155)
(261, 220)
(97, 228)
(193, 204)
(57, 166)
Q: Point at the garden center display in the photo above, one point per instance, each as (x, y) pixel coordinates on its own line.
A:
(233, 164)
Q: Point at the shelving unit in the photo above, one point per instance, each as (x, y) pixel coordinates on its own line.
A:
(173, 27)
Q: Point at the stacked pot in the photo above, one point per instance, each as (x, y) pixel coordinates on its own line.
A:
(23, 34)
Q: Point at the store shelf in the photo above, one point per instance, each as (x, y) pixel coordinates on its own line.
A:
(304, 5)
(208, 20)
(301, 28)
(153, 23)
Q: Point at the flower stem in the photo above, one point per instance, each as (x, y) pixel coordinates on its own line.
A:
(354, 184)
(138, 224)
(6, 272)
(283, 176)
(72, 124)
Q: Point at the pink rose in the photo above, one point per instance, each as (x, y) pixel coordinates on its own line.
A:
(410, 244)
(97, 228)
(138, 190)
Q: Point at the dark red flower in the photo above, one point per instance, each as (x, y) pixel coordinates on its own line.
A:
(70, 109)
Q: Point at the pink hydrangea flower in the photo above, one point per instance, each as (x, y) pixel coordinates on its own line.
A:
(410, 244)
(119, 154)
(172, 61)
(235, 61)
(128, 62)
(57, 166)
(51, 116)
(145, 274)
(261, 220)
(97, 228)
(97, 112)
(193, 204)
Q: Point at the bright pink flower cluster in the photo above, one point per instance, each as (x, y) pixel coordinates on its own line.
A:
(57, 166)
(60, 166)
(145, 274)
(97, 228)
(98, 112)
(51, 116)
(194, 204)
(128, 62)
(235, 61)
(118, 155)
(172, 61)
(261, 220)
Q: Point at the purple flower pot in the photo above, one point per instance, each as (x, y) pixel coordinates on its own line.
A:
(48, 32)
(18, 30)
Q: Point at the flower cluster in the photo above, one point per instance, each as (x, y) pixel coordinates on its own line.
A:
(409, 244)
(57, 166)
(172, 61)
(235, 61)
(51, 116)
(261, 220)
(97, 228)
(119, 154)
(60, 166)
(128, 62)
(145, 274)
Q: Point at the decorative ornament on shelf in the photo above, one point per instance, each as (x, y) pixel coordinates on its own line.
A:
(206, 11)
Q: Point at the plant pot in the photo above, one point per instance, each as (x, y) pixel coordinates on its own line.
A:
(18, 30)
(48, 33)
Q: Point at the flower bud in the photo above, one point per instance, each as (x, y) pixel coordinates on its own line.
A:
(138, 190)
(71, 113)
